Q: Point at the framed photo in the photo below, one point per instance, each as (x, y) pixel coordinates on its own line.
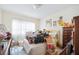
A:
(54, 23)
(49, 23)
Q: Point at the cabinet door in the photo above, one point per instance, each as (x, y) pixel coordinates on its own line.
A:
(76, 35)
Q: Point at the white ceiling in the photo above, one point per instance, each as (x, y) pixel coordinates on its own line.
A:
(27, 9)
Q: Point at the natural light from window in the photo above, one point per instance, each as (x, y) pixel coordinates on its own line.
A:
(19, 28)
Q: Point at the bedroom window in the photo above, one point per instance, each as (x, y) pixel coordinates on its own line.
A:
(19, 28)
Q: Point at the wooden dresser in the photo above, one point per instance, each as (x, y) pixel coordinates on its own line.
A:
(67, 31)
(76, 35)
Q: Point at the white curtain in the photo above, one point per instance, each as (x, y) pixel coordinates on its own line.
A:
(19, 28)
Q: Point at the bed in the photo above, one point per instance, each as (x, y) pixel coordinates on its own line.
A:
(33, 49)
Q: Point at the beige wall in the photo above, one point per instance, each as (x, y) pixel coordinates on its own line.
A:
(0, 17)
(7, 18)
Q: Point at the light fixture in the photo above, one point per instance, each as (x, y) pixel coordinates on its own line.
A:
(37, 6)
